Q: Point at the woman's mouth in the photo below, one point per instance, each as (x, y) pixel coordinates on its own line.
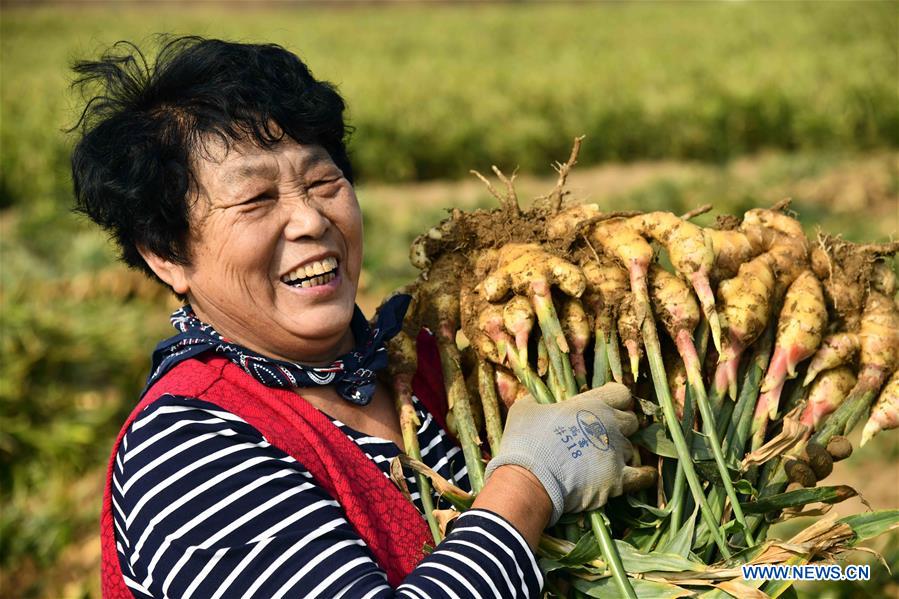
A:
(313, 274)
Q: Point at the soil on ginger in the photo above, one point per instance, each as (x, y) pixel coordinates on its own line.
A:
(820, 196)
(495, 228)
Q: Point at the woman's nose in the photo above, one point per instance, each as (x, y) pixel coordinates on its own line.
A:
(305, 219)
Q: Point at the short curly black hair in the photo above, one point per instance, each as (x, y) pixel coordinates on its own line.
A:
(144, 124)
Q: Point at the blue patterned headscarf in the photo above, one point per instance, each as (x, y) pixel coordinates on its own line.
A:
(352, 374)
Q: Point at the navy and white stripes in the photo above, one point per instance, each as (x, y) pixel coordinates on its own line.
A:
(205, 507)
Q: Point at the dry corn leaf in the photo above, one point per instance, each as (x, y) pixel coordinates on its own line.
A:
(821, 538)
(827, 531)
(741, 589)
(398, 478)
(443, 487)
(444, 517)
(793, 432)
(876, 554)
(791, 513)
(706, 578)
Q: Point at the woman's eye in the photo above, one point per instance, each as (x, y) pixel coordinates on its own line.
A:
(256, 199)
(327, 185)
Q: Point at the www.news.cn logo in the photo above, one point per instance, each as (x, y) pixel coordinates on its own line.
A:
(805, 572)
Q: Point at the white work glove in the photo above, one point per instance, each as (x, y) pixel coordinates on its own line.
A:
(577, 448)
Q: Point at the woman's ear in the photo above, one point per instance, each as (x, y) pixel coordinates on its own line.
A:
(171, 273)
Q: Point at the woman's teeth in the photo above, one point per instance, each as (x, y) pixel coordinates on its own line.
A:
(312, 274)
(315, 281)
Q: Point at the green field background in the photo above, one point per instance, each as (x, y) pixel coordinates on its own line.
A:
(733, 103)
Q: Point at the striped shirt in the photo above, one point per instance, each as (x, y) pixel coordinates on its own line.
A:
(205, 507)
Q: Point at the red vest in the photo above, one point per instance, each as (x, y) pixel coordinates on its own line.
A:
(388, 523)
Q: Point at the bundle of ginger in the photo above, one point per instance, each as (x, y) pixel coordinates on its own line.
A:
(776, 346)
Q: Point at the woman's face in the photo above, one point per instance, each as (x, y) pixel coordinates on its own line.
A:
(275, 250)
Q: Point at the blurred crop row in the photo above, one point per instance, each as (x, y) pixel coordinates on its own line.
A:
(434, 90)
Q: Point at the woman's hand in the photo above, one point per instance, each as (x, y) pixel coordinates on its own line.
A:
(576, 450)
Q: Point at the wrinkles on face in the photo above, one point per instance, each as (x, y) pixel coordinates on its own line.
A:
(259, 214)
(254, 300)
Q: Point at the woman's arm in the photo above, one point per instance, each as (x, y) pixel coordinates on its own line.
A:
(517, 494)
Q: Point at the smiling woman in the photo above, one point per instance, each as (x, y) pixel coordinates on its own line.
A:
(256, 462)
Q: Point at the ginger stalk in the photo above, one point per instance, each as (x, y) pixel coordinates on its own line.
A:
(529, 270)
(613, 349)
(593, 301)
(782, 237)
(440, 295)
(739, 423)
(836, 350)
(553, 382)
(826, 394)
(490, 403)
(691, 253)
(688, 421)
(800, 328)
(732, 249)
(401, 366)
(607, 284)
(679, 313)
(471, 307)
(491, 322)
(879, 339)
(567, 223)
(576, 326)
(602, 373)
(518, 318)
(745, 302)
(677, 382)
(885, 414)
(470, 360)
(627, 246)
(660, 383)
(507, 386)
(629, 329)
